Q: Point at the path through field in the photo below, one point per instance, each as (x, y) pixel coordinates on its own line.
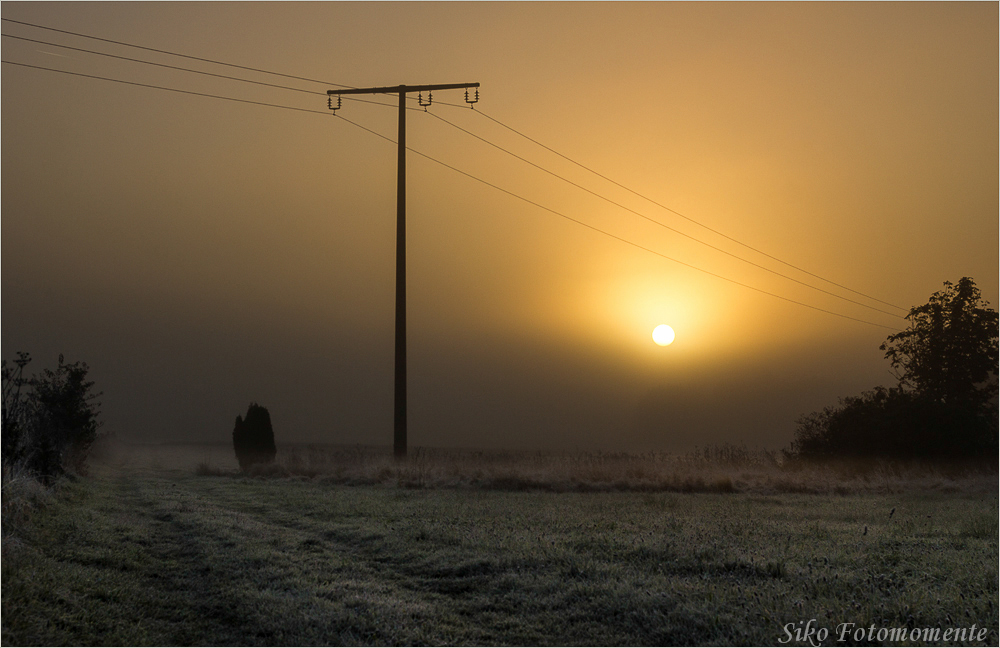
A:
(163, 556)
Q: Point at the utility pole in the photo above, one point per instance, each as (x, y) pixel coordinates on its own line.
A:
(399, 399)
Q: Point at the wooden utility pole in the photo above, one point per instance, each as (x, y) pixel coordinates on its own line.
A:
(399, 410)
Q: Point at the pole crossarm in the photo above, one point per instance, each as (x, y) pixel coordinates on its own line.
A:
(403, 89)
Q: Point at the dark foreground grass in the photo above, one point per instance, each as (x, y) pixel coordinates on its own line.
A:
(169, 557)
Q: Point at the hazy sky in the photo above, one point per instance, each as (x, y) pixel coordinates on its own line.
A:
(199, 253)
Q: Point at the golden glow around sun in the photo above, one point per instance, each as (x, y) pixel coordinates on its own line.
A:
(663, 335)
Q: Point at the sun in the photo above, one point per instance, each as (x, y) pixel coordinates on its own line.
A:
(663, 335)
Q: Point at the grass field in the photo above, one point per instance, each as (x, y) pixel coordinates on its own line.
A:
(178, 549)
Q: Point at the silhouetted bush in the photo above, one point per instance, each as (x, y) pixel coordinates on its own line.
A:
(897, 424)
(253, 438)
(945, 406)
(51, 420)
(16, 411)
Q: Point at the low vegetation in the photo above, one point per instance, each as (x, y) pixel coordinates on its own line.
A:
(945, 403)
(50, 420)
(723, 468)
(175, 546)
(22, 495)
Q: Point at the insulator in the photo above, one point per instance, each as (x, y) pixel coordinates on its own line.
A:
(471, 101)
(420, 99)
(329, 103)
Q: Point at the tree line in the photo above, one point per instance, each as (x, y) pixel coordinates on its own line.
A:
(944, 405)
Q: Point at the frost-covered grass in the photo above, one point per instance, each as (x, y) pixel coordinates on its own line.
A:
(22, 494)
(713, 469)
(162, 555)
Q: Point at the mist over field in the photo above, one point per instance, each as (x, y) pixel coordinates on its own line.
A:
(787, 181)
(466, 323)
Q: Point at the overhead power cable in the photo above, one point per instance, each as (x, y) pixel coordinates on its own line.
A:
(156, 87)
(163, 65)
(497, 121)
(663, 225)
(636, 245)
(688, 218)
(184, 69)
(614, 236)
(471, 176)
(196, 58)
(161, 51)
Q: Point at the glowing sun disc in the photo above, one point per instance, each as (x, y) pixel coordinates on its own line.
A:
(663, 335)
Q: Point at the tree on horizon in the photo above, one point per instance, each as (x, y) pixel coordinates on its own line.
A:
(945, 402)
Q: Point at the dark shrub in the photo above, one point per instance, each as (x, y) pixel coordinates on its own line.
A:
(51, 420)
(253, 438)
(894, 423)
(17, 412)
(945, 406)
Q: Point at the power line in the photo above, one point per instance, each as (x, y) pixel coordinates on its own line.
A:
(536, 142)
(188, 56)
(183, 69)
(688, 218)
(614, 236)
(161, 51)
(663, 225)
(156, 87)
(163, 65)
(473, 177)
(641, 247)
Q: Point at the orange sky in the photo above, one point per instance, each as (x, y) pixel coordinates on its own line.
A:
(201, 253)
